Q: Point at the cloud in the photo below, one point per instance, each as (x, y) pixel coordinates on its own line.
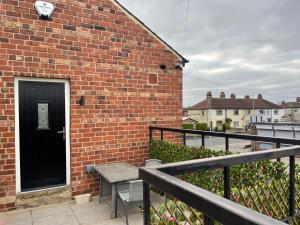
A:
(245, 47)
(208, 57)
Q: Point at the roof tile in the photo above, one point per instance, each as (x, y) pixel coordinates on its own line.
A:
(234, 103)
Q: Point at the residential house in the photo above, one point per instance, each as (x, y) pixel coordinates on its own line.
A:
(187, 120)
(292, 110)
(79, 88)
(240, 112)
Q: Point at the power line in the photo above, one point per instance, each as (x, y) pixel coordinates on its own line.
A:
(186, 23)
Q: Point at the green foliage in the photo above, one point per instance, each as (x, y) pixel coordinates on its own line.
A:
(174, 211)
(228, 121)
(187, 126)
(212, 180)
(168, 152)
(201, 126)
(225, 127)
(216, 129)
(262, 186)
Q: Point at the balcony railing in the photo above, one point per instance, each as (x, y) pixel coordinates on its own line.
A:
(214, 207)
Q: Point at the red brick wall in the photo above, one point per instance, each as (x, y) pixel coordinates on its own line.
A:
(107, 58)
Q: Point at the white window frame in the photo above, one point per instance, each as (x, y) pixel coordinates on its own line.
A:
(219, 112)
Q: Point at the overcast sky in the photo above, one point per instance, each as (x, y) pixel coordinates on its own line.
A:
(237, 46)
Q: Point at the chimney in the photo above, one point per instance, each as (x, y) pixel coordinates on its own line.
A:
(222, 95)
(259, 96)
(247, 97)
(209, 94)
(232, 96)
(298, 99)
(283, 103)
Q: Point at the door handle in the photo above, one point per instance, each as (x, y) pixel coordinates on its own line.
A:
(63, 131)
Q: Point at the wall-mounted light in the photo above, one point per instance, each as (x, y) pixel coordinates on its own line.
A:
(82, 100)
(178, 66)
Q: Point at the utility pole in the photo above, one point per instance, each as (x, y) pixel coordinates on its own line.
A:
(253, 107)
(209, 111)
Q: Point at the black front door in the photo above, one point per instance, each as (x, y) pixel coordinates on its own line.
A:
(42, 134)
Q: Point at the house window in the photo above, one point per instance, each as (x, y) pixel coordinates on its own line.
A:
(236, 123)
(248, 112)
(219, 112)
(236, 112)
(43, 122)
(261, 111)
(203, 112)
(276, 112)
(295, 110)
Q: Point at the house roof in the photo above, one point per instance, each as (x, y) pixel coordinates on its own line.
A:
(188, 118)
(234, 103)
(291, 105)
(151, 32)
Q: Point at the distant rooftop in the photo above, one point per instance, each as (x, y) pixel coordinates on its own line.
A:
(295, 104)
(234, 103)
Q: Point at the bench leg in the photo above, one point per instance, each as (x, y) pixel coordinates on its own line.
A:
(126, 214)
(100, 189)
(114, 200)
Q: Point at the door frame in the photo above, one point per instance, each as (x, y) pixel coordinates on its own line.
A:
(17, 127)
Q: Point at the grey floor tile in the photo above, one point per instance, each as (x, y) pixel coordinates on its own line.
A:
(134, 219)
(117, 221)
(59, 219)
(16, 218)
(93, 215)
(51, 210)
(75, 206)
(130, 211)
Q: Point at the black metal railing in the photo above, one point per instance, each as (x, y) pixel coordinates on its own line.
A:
(213, 206)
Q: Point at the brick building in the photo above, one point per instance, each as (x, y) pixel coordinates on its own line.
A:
(79, 88)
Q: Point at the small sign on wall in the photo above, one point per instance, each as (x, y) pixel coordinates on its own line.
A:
(44, 9)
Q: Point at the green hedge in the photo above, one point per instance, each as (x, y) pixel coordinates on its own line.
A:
(212, 180)
(201, 126)
(187, 126)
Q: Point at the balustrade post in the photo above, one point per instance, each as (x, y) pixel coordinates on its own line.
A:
(292, 187)
(278, 145)
(146, 205)
(227, 144)
(227, 187)
(208, 221)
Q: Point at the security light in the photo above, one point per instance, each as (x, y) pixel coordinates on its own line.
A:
(44, 9)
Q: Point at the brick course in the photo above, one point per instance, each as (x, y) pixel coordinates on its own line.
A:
(107, 57)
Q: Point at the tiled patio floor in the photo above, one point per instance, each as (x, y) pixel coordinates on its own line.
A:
(69, 213)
